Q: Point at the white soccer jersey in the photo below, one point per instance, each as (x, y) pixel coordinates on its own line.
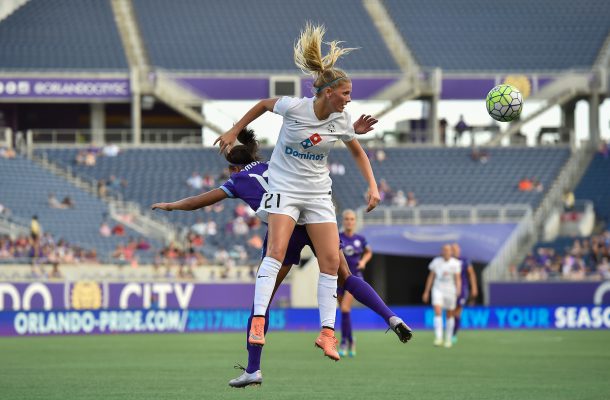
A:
(444, 271)
(298, 165)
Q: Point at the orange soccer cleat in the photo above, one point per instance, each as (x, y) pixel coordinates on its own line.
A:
(328, 343)
(257, 332)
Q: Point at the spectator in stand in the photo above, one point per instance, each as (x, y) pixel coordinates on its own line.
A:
(4, 211)
(240, 211)
(568, 200)
(255, 241)
(526, 185)
(208, 182)
(212, 228)
(199, 227)
(603, 269)
(110, 150)
(101, 188)
(442, 131)
(460, 128)
(7, 152)
(400, 200)
(411, 200)
(90, 159)
(35, 229)
(53, 202)
(67, 202)
(195, 181)
(385, 191)
(537, 185)
(380, 155)
(240, 228)
(480, 156)
(105, 230)
(118, 230)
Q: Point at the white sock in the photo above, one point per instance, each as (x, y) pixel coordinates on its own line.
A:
(327, 302)
(449, 329)
(438, 327)
(265, 282)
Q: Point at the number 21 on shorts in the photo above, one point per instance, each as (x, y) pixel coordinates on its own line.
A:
(270, 198)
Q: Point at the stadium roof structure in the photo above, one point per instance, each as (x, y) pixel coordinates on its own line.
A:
(203, 46)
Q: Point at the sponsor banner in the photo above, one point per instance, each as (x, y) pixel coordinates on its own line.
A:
(46, 323)
(66, 88)
(479, 242)
(549, 293)
(86, 295)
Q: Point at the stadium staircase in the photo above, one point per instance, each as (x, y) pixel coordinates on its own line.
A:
(146, 79)
(409, 86)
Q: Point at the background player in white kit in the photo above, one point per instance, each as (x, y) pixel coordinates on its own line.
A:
(299, 181)
(445, 282)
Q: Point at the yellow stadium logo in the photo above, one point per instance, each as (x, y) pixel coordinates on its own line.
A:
(521, 82)
(86, 296)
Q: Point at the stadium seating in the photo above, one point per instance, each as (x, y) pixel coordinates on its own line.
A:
(24, 187)
(595, 186)
(436, 175)
(211, 36)
(62, 34)
(155, 175)
(450, 176)
(475, 35)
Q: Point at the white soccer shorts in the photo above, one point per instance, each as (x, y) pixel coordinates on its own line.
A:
(447, 301)
(303, 211)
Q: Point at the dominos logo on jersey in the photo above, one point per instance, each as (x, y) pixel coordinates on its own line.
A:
(312, 141)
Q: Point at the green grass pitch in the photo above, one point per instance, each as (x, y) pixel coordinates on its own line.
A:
(483, 365)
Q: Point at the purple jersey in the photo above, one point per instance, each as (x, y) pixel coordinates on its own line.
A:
(353, 248)
(249, 185)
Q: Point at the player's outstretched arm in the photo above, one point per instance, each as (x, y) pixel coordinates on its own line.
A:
(458, 284)
(227, 139)
(193, 202)
(363, 163)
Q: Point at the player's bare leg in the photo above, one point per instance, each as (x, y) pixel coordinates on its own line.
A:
(449, 328)
(280, 231)
(325, 239)
(438, 325)
(347, 339)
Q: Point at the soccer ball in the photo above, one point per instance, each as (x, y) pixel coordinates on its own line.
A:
(504, 103)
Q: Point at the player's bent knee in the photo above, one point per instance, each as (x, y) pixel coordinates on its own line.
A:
(329, 265)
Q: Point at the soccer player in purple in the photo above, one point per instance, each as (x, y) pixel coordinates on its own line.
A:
(469, 287)
(357, 254)
(248, 182)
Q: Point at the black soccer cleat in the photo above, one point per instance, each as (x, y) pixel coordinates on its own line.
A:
(401, 329)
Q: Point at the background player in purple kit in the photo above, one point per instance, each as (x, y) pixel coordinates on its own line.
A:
(469, 287)
(357, 254)
(248, 182)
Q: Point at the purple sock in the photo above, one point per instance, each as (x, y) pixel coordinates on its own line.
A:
(364, 293)
(456, 327)
(255, 352)
(346, 328)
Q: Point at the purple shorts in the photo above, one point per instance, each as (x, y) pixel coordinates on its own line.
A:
(298, 240)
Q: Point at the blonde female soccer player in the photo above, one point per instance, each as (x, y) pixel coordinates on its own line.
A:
(299, 182)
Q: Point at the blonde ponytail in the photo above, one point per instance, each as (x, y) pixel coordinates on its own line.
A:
(308, 57)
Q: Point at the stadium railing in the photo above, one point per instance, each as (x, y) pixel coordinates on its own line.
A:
(83, 137)
(450, 214)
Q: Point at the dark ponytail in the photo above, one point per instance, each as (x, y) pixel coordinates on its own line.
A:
(246, 152)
